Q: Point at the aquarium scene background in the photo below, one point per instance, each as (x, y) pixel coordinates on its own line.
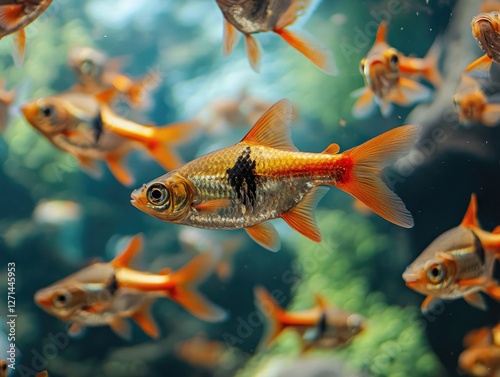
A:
(357, 267)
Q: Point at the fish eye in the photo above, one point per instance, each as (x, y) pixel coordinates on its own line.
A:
(394, 59)
(62, 299)
(435, 273)
(362, 66)
(158, 194)
(87, 66)
(47, 111)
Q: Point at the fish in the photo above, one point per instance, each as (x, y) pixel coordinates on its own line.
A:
(481, 361)
(15, 18)
(256, 16)
(265, 177)
(473, 105)
(200, 351)
(79, 124)
(459, 263)
(96, 73)
(390, 77)
(6, 100)
(485, 28)
(109, 293)
(322, 326)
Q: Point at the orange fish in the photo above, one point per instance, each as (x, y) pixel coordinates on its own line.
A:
(78, 124)
(486, 30)
(256, 16)
(15, 18)
(200, 351)
(481, 361)
(6, 99)
(109, 293)
(265, 177)
(97, 73)
(459, 263)
(390, 77)
(323, 326)
(472, 104)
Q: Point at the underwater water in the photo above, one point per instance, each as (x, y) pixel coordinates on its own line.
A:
(57, 218)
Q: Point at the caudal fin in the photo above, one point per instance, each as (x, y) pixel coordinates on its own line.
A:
(365, 183)
(272, 313)
(164, 139)
(186, 281)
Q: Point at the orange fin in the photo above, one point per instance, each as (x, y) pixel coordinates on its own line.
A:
(121, 327)
(213, 205)
(411, 92)
(294, 11)
(253, 51)
(10, 16)
(364, 105)
(75, 329)
(230, 37)
(43, 373)
(320, 301)
(333, 148)
(165, 271)
(476, 337)
(427, 304)
(272, 313)
(133, 248)
(381, 33)
(368, 159)
(470, 218)
(431, 60)
(491, 115)
(480, 68)
(492, 289)
(106, 96)
(116, 165)
(318, 54)
(224, 271)
(186, 281)
(143, 318)
(265, 235)
(273, 128)
(90, 166)
(476, 300)
(496, 230)
(301, 217)
(19, 40)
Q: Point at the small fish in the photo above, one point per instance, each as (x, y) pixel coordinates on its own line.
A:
(486, 30)
(97, 73)
(256, 16)
(265, 177)
(459, 263)
(87, 129)
(481, 361)
(15, 18)
(108, 293)
(320, 327)
(202, 352)
(390, 77)
(472, 104)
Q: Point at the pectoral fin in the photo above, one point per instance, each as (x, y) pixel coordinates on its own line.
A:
(230, 37)
(213, 205)
(479, 68)
(476, 300)
(90, 166)
(411, 92)
(491, 115)
(75, 329)
(365, 104)
(117, 166)
(19, 47)
(144, 319)
(121, 327)
(302, 219)
(265, 235)
(428, 303)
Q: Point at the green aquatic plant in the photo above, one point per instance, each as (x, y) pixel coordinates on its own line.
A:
(393, 344)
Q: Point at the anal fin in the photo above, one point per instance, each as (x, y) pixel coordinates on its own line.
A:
(253, 51)
(230, 37)
(116, 165)
(476, 300)
(265, 235)
(121, 327)
(143, 318)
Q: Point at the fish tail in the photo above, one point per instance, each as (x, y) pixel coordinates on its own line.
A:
(272, 313)
(186, 281)
(164, 138)
(310, 48)
(359, 173)
(431, 72)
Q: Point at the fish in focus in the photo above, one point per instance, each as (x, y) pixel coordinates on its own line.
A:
(264, 177)
(109, 293)
(96, 73)
(486, 30)
(6, 100)
(256, 16)
(323, 326)
(80, 125)
(15, 18)
(391, 78)
(473, 105)
(457, 264)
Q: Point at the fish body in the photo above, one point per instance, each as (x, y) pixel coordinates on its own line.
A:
(15, 18)
(265, 177)
(323, 326)
(481, 361)
(80, 125)
(391, 78)
(256, 16)
(486, 30)
(459, 263)
(108, 293)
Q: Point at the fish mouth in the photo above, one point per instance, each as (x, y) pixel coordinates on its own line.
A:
(42, 299)
(137, 197)
(410, 279)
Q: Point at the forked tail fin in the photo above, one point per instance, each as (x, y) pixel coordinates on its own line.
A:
(272, 313)
(364, 181)
(186, 281)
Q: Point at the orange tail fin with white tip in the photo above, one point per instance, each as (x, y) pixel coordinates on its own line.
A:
(186, 281)
(363, 165)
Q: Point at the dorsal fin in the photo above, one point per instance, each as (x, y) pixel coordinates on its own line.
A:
(479, 68)
(273, 128)
(496, 230)
(470, 218)
(320, 301)
(333, 148)
(381, 33)
(133, 248)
